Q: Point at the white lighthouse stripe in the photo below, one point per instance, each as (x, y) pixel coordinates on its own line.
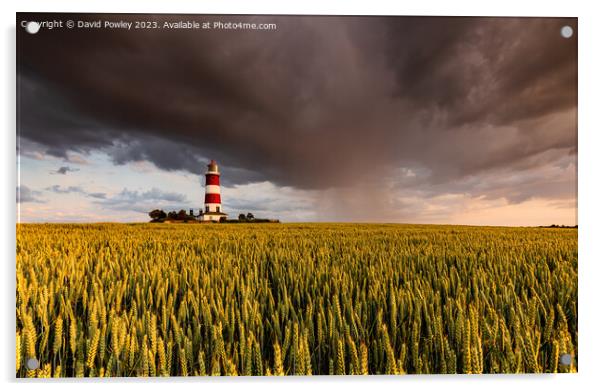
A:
(212, 189)
(213, 207)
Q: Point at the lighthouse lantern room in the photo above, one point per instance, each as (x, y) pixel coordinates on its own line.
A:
(213, 202)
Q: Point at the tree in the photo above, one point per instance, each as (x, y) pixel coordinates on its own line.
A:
(250, 216)
(182, 215)
(157, 215)
(242, 217)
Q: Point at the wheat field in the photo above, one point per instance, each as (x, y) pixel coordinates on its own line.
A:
(293, 299)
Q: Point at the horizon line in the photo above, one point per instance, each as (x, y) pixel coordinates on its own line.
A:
(295, 222)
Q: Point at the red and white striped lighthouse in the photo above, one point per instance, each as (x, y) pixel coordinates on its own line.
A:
(213, 201)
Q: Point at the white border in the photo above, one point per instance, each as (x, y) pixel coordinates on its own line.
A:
(590, 197)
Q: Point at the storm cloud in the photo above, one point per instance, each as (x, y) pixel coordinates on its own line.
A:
(346, 105)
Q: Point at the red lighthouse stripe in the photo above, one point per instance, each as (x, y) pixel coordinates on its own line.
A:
(213, 199)
(212, 179)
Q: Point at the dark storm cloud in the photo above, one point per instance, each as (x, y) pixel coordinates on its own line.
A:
(485, 70)
(321, 102)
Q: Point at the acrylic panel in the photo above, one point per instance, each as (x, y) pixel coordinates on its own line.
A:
(261, 195)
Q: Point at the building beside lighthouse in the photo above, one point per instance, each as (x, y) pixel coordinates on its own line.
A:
(213, 202)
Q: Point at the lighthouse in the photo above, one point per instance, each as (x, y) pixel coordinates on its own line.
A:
(213, 201)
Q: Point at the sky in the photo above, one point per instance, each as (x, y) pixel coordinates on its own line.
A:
(439, 120)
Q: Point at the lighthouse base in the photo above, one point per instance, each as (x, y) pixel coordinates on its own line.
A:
(213, 216)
